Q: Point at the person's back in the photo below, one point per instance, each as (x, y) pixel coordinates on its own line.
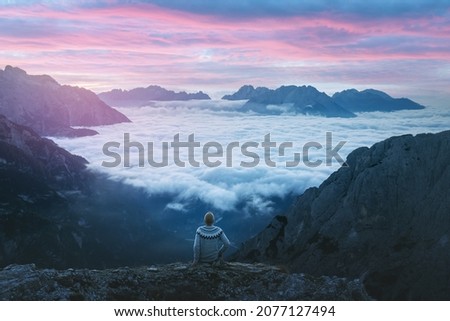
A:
(210, 242)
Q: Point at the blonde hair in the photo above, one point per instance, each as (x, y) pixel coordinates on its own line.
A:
(209, 218)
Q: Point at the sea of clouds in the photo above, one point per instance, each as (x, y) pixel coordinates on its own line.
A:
(248, 190)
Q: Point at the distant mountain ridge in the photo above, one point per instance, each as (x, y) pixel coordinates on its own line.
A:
(289, 99)
(308, 100)
(50, 109)
(247, 92)
(139, 96)
(372, 100)
(384, 217)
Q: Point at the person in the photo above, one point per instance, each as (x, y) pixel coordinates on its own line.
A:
(210, 242)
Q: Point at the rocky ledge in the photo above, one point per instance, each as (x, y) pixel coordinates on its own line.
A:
(177, 281)
(385, 216)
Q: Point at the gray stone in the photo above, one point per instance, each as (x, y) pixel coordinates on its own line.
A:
(177, 281)
(385, 217)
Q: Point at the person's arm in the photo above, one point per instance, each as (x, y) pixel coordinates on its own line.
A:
(196, 248)
(225, 244)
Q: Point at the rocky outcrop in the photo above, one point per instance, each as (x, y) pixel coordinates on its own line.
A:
(289, 99)
(177, 281)
(50, 109)
(372, 100)
(141, 96)
(385, 216)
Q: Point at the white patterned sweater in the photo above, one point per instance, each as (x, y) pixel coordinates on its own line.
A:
(209, 244)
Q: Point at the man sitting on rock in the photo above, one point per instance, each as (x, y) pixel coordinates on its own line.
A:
(210, 242)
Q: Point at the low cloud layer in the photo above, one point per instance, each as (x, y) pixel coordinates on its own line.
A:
(227, 188)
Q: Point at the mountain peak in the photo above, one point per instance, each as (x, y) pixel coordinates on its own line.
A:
(40, 102)
(245, 92)
(141, 96)
(291, 99)
(308, 100)
(372, 100)
(14, 71)
(376, 92)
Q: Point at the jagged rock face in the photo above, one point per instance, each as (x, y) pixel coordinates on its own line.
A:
(289, 99)
(56, 213)
(177, 281)
(34, 172)
(31, 166)
(42, 104)
(140, 96)
(372, 100)
(386, 216)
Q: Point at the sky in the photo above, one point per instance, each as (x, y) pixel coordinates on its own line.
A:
(401, 47)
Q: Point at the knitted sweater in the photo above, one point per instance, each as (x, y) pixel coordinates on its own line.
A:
(209, 244)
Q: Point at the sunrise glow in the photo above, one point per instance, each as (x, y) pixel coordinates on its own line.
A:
(402, 47)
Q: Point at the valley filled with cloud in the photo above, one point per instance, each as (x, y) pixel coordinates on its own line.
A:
(235, 190)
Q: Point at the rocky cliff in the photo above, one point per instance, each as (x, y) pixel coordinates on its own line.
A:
(25, 158)
(56, 213)
(50, 109)
(385, 216)
(177, 281)
(140, 96)
(35, 174)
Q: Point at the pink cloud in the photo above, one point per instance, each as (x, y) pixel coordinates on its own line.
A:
(140, 45)
(135, 26)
